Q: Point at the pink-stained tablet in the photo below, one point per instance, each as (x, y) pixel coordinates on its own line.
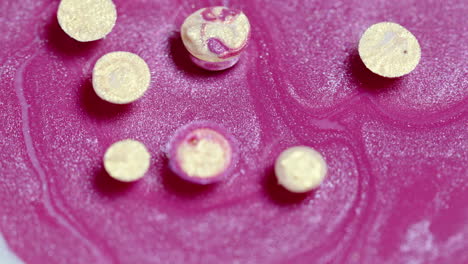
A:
(202, 153)
(216, 36)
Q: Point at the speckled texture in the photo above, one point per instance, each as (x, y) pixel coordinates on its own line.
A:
(86, 20)
(215, 36)
(389, 50)
(222, 136)
(121, 77)
(397, 186)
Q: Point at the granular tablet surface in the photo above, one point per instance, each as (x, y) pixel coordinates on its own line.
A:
(87, 20)
(389, 50)
(204, 153)
(127, 160)
(121, 77)
(300, 169)
(216, 36)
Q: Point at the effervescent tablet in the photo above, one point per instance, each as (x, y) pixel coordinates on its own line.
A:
(389, 50)
(300, 169)
(87, 20)
(127, 160)
(215, 36)
(201, 153)
(121, 77)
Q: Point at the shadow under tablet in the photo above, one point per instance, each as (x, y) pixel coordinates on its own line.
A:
(98, 108)
(366, 79)
(108, 186)
(58, 41)
(183, 62)
(278, 194)
(172, 183)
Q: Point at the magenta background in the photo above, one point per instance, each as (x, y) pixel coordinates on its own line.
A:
(397, 150)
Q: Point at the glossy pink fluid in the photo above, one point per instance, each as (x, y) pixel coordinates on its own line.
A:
(397, 186)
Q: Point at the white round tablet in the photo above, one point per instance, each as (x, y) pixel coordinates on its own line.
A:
(87, 20)
(127, 160)
(300, 169)
(121, 77)
(389, 50)
(216, 34)
(204, 153)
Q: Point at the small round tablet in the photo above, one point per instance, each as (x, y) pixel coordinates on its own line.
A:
(201, 153)
(215, 36)
(389, 50)
(87, 20)
(127, 160)
(121, 77)
(300, 169)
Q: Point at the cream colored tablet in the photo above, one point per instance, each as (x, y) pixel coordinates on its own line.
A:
(127, 160)
(121, 77)
(204, 154)
(87, 20)
(215, 34)
(300, 169)
(389, 50)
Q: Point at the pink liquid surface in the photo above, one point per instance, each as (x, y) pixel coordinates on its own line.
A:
(397, 149)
